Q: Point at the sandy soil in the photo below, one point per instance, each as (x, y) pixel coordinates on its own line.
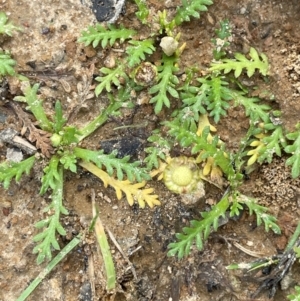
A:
(47, 52)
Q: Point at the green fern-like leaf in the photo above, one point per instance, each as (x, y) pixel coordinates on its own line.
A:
(180, 130)
(35, 106)
(218, 97)
(194, 103)
(152, 159)
(267, 144)
(259, 62)
(98, 33)
(10, 170)
(111, 76)
(69, 160)
(294, 149)
(261, 213)
(137, 51)
(47, 239)
(167, 82)
(143, 11)
(190, 8)
(159, 150)
(212, 95)
(5, 26)
(253, 108)
(199, 231)
(51, 175)
(111, 163)
(58, 120)
(6, 64)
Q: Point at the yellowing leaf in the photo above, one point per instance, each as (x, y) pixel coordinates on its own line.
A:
(132, 190)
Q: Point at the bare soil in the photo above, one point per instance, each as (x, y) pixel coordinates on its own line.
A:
(47, 52)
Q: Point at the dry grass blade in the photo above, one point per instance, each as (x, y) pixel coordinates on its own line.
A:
(104, 247)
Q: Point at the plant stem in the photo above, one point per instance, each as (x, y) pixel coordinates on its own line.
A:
(67, 249)
(99, 120)
(36, 107)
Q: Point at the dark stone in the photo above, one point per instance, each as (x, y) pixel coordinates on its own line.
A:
(106, 10)
(125, 146)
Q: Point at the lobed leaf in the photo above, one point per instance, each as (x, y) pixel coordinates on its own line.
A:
(261, 213)
(112, 164)
(267, 144)
(47, 239)
(98, 33)
(69, 160)
(5, 26)
(51, 175)
(190, 8)
(193, 99)
(138, 50)
(217, 96)
(255, 110)
(6, 64)
(133, 191)
(35, 106)
(143, 11)
(259, 62)
(10, 170)
(199, 230)
(111, 76)
(167, 82)
(158, 151)
(180, 130)
(294, 150)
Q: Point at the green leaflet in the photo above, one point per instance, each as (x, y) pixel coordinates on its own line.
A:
(5, 26)
(190, 8)
(58, 120)
(111, 163)
(254, 110)
(143, 10)
(159, 150)
(110, 76)
(294, 150)
(273, 144)
(217, 96)
(35, 106)
(166, 85)
(256, 61)
(199, 231)
(69, 160)
(138, 50)
(98, 33)
(181, 131)
(10, 170)
(51, 175)
(47, 239)
(261, 213)
(6, 64)
(213, 95)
